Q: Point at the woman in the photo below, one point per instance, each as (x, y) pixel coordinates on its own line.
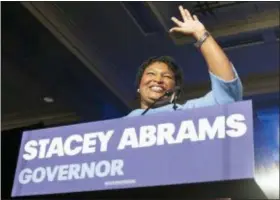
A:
(160, 74)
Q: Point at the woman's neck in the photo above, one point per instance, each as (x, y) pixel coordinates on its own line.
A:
(145, 105)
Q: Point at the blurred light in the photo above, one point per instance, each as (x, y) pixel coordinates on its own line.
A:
(277, 138)
(48, 99)
(268, 180)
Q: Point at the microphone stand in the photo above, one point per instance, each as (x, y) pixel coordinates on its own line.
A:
(174, 101)
(167, 93)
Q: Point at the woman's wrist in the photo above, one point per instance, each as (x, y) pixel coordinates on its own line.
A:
(199, 33)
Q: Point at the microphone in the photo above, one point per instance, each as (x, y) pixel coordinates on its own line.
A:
(174, 91)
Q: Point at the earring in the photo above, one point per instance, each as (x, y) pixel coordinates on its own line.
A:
(138, 90)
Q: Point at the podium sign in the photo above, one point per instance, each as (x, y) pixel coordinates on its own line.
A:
(190, 146)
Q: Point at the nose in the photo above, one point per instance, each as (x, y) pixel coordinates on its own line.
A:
(158, 78)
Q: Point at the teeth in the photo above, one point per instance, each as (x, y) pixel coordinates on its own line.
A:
(156, 89)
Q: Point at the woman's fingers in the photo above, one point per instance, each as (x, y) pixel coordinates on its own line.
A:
(195, 18)
(187, 13)
(176, 21)
(176, 29)
(183, 13)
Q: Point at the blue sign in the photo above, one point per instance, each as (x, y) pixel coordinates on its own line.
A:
(191, 146)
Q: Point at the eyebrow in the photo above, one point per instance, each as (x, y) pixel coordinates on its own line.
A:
(151, 70)
(168, 73)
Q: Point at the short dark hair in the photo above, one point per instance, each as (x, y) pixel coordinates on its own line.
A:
(169, 61)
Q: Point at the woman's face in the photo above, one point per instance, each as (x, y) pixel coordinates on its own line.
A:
(156, 80)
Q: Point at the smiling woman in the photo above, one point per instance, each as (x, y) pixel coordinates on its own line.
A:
(159, 75)
(155, 77)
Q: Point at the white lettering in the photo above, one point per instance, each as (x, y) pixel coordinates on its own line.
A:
(39, 175)
(147, 136)
(74, 171)
(56, 148)
(89, 143)
(117, 167)
(63, 173)
(129, 138)
(52, 173)
(67, 145)
(101, 169)
(205, 129)
(187, 131)
(165, 133)
(236, 122)
(104, 139)
(87, 170)
(25, 176)
(71, 146)
(30, 149)
(43, 146)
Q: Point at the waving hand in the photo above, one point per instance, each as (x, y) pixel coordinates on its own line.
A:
(190, 24)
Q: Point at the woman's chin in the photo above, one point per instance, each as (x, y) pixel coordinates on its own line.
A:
(155, 97)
